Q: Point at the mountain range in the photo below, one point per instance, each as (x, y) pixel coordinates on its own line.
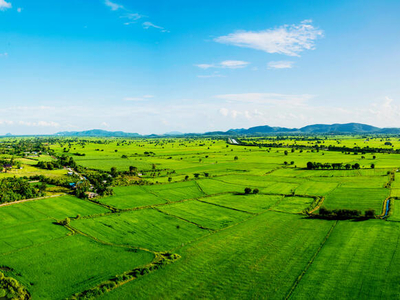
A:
(348, 128)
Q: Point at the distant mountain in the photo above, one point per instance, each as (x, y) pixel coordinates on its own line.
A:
(340, 128)
(350, 128)
(97, 133)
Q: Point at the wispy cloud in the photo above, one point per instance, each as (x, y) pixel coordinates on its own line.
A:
(228, 64)
(112, 5)
(283, 64)
(147, 25)
(142, 98)
(5, 54)
(132, 18)
(267, 98)
(287, 39)
(5, 5)
(216, 74)
(19, 9)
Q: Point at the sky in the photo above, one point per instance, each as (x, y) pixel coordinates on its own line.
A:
(197, 66)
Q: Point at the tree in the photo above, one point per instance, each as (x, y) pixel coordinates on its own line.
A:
(310, 166)
(236, 158)
(372, 166)
(256, 191)
(186, 177)
(114, 171)
(132, 169)
(370, 213)
(247, 190)
(286, 153)
(169, 179)
(196, 175)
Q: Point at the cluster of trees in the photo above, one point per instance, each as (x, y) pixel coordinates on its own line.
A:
(333, 166)
(248, 191)
(14, 189)
(344, 214)
(62, 161)
(12, 289)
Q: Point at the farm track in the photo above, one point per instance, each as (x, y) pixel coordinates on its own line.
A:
(32, 199)
(180, 218)
(300, 277)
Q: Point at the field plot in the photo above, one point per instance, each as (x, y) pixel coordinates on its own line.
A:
(212, 187)
(395, 210)
(29, 234)
(360, 260)
(206, 215)
(131, 197)
(176, 191)
(251, 203)
(60, 268)
(293, 204)
(145, 228)
(354, 198)
(315, 188)
(65, 206)
(18, 214)
(260, 258)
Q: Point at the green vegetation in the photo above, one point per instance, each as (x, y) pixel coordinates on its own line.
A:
(270, 217)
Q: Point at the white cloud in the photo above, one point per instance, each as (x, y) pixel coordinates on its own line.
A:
(266, 98)
(5, 5)
(19, 9)
(234, 64)
(205, 66)
(39, 124)
(147, 25)
(287, 39)
(283, 64)
(132, 17)
(112, 5)
(215, 74)
(143, 98)
(5, 54)
(226, 64)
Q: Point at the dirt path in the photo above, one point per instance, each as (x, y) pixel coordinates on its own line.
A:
(32, 199)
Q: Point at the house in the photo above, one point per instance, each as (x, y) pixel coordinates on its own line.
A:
(91, 195)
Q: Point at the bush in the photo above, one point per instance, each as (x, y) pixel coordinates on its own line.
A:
(370, 213)
(256, 191)
(247, 190)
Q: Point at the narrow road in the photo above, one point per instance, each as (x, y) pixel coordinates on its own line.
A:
(32, 199)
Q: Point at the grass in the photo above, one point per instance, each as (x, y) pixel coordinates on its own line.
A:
(232, 246)
(206, 215)
(60, 268)
(359, 261)
(65, 206)
(131, 197)
(146, 228)
(256, 259)
(251, 203)
(293, 204)
(355, 198)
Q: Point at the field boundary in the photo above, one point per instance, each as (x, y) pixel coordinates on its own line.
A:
(300, 277)
(32, 199)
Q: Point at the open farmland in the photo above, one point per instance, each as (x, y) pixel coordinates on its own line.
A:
(167, 218)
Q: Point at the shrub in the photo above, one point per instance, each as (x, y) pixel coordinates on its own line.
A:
(247, 190)
(256, 191)
(370, 213)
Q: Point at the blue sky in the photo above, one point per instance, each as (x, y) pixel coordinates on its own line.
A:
(196, 66)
